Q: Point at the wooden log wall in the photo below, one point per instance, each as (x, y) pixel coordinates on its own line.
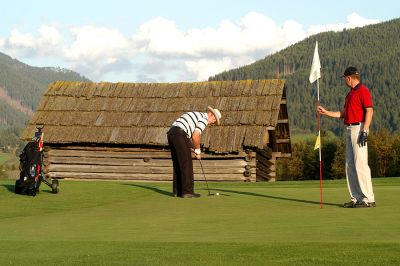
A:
(266, 170)
(82, 162)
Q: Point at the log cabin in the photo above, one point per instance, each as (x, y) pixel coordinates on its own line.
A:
(118, 130)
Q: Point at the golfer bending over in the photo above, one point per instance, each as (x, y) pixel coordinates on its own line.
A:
(183, 138)
(357, 115)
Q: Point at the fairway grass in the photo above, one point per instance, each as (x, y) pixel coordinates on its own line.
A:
(138, 223)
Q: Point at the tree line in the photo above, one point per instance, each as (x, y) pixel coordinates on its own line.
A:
(383, 155)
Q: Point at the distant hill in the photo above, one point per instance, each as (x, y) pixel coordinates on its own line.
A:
(21, 87)
(373, 49)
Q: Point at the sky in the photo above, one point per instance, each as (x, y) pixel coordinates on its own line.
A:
(170, 40)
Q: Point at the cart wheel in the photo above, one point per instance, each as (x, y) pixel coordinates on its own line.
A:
(54, 186)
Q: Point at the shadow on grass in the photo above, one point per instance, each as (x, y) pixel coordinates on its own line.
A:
(160, 191)
(46, 191)
(167, 193)
(277, 198)
(10, 188)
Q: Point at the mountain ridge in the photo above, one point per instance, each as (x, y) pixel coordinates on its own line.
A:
(21, 87)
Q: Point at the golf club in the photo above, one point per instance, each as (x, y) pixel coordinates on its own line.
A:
(201, 165)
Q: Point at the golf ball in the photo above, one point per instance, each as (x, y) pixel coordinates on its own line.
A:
(217, 194)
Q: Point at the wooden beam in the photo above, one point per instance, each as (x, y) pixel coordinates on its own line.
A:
(81, 168)
(283, 121)
(264, 154)
(266, 169)
(262, 176)
(141, 176)
(107, 154)
(138, 162)
(285, 155)
(266, 163)
(282, 141)
(128, 154)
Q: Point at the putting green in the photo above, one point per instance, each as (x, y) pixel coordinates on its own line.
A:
(120, 223)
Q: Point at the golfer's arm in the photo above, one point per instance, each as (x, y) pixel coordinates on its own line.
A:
(334, 114)
(369, 112)
(196, 139)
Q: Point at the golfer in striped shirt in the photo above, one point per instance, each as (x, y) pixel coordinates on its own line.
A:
(183, 138)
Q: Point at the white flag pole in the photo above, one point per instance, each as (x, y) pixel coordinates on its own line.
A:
(320, 147)
(315, 75)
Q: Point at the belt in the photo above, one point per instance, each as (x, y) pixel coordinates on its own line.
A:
(354, 124)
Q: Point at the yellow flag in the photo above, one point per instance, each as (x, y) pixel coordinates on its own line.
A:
(318, 143)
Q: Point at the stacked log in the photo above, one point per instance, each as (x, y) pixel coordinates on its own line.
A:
(265, 165)
(125, 163)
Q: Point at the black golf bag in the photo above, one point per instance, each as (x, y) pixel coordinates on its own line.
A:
(30, 166)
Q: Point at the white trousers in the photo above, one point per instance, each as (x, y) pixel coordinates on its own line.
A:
(358, 173)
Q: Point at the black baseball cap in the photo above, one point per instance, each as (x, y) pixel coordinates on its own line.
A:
(350, 71)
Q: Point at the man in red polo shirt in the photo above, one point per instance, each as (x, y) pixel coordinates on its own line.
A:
(357, 115)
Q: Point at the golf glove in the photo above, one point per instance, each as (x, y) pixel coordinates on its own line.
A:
(362, 138)
(197, 153)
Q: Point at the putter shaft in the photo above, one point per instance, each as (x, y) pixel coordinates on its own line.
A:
(201, 165)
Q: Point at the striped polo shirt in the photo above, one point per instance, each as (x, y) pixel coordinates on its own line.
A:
(191, 121)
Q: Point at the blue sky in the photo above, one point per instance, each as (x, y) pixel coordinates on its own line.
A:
(168, 41)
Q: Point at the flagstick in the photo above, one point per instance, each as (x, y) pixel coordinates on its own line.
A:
(315, 75)
(320, 159)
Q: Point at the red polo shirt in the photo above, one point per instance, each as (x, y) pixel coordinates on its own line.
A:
(357, 100)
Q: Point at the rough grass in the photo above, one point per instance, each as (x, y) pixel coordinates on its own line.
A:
(8, 160)
(5, 157)
(127, 223)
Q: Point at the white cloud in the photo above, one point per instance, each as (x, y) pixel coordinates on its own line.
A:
(97, 43)
(204, 68)
(49, 37)
(208, 51)
(353, 21)
(46, 43)
(96, 51)
(160, 50)
(161, 37)
(293, 32)
(23, 40)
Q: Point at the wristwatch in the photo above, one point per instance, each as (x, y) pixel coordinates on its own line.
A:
(197, 151)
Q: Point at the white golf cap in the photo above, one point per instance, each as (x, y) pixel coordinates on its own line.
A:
(216, 113)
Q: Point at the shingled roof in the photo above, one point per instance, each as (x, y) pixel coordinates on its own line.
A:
(141, 113)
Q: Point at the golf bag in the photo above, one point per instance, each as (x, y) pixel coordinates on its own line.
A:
(30, 166)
